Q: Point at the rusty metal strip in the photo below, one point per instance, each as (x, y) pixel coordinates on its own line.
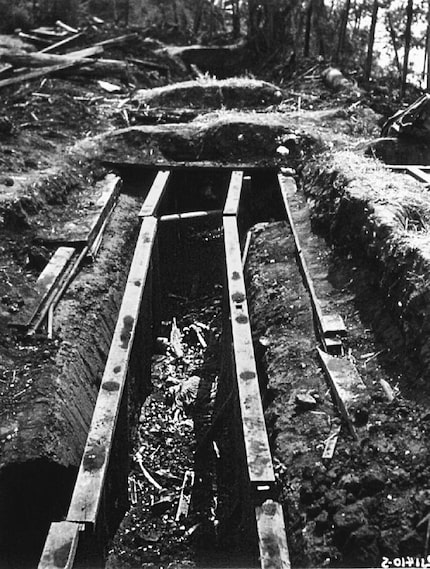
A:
(60, 546)
(272, 539)
(88, 489)
(231, 206)
(259, 460)
(329, 326)
(155, 194)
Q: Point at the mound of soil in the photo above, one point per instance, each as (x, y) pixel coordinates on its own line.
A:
(223, 137)
(210, 93)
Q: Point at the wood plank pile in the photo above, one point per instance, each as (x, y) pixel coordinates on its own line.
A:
(55, 56)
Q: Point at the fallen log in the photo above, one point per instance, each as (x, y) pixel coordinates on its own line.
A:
(102, 68)
(218, 60)
(42, 72)
(41, 60)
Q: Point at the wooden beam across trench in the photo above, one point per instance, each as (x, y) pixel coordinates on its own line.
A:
(88, 491)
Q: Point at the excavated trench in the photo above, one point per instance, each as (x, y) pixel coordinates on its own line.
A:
(342, 512)
(220, 527)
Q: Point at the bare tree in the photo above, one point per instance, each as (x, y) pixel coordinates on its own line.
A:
(428, 47)
(369, 58)
(409, 16)
(342, 31)
(394, 42)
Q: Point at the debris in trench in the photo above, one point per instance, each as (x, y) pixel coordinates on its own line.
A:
(162, 345)
(389, 392)
(139, 458)
(109, 87)
(176, 340)
(184, 394)
(185, 498)
(331, 442)
(306, 401)
(199, 335)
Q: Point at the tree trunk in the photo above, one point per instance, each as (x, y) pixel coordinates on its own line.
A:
(309, 11)
(409, 14)
(428, 48)
(358, 14)
(394, 42)
(198, 17)
(342, 31)
(320, 20)
(252, 18)
(369, 59)
(211, 19)
(236, 18)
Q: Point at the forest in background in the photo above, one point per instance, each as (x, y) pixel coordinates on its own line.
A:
(340, 32)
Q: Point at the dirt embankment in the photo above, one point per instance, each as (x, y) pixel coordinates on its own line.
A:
(225, 137)
(385, 217)
(343, 511)
(209, 93)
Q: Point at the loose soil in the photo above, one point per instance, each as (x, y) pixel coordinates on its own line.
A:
(365, 234)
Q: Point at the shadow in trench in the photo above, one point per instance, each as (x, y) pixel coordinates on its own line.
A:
(32, 494)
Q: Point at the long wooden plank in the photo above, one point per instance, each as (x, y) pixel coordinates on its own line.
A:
(190, 215)
(57, 292)
(60, 44)
(88, 489)
(347, 385)
(272, 540)
(417, 173)
(85, 230)
(231, 206)
(329, 325)
(153, 199)
(60, 546)
(49, 277)
(86, 52)
(259, 460)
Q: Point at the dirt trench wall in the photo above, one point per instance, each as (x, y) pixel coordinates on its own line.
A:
(385, 217)
(50, 418)
(48, 188)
